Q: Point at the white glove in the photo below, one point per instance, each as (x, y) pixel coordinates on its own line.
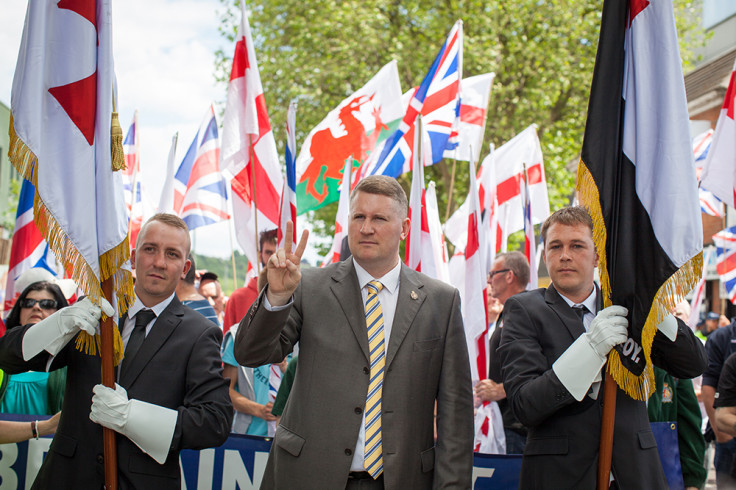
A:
(580, 365)
(52, 333)
(150, 427)
(609, 328)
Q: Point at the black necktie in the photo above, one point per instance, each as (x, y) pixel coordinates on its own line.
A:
(138, 335)
(580, 310)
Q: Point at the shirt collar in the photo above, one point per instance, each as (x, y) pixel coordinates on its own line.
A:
(157, 309)
(590, 302)
(390, 280)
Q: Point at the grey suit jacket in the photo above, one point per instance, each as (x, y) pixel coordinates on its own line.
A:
(426, 360)
(564, 434)
(178, 366)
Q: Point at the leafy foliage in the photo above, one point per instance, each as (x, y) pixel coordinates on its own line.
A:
(542, 52)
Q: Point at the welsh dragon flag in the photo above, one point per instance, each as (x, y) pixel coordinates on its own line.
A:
(351, 130)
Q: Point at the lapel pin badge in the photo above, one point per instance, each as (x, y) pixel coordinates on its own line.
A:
(414, 295)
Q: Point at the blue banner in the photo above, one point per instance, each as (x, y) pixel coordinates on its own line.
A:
(237, 464)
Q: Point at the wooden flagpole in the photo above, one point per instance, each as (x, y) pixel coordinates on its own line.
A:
(108, 379)
(605, 451)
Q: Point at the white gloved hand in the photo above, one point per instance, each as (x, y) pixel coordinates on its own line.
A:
(580, 365)
(52, 333)
(150, 427)
(608, 329)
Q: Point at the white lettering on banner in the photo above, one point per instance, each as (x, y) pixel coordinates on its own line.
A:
(37, 450)
(206, 469)
(482, 473)
(8, 477)
(234, 472)
(632, 349)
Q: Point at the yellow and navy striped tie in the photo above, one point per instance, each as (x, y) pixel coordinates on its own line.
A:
(373, 449)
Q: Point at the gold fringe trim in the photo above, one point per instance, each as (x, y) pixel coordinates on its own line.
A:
(685, 279)
(24, 161)
(116, 144)
(92, 345)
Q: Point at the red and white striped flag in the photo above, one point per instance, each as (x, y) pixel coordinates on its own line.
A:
(248, 150)
(719, 171)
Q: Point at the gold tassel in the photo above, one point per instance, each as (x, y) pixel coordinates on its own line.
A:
(116, 144)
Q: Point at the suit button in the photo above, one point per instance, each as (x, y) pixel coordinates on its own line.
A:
(367, 370)
(100, 459)
(349, 452)
(358, 410)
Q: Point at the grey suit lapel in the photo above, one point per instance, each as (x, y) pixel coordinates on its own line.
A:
(346, 289)
(566, 314)
(410, 299)
(161, 330)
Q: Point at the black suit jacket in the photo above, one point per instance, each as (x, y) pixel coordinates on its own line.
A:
(564, 434)
(178, 367)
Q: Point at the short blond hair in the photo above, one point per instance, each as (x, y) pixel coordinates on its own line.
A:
(384, 186)
(171, 220)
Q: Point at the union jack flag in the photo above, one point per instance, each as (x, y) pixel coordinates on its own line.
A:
(437, 100)
(709, 203)
(530, 244)
(200, 191)
(287, 211)
(29, 249)
(725, 241)
(131, 150)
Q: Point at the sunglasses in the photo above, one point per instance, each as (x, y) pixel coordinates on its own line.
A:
(44, 304)
(492, 274)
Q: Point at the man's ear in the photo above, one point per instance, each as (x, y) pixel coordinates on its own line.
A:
(186, 269)
(405, 227)
(132, 259)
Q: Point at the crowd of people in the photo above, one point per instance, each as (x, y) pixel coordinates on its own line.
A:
(359, 370)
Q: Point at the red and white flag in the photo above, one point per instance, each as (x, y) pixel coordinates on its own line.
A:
(341, 219)
(719, 171)
(60, 139)
(248, 149)
(419, 255)
(436, 237)
(474, 309)
(506, 167)
(475, 93)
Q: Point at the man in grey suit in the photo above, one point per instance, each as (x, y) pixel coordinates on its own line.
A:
(380, 344)
(170, 393)
(552, 356)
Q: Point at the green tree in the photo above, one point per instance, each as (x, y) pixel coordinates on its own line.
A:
(542, 52)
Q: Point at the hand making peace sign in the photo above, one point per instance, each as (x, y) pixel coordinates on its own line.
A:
(283, 268)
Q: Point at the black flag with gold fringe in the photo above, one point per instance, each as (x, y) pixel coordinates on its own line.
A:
(636, 178)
